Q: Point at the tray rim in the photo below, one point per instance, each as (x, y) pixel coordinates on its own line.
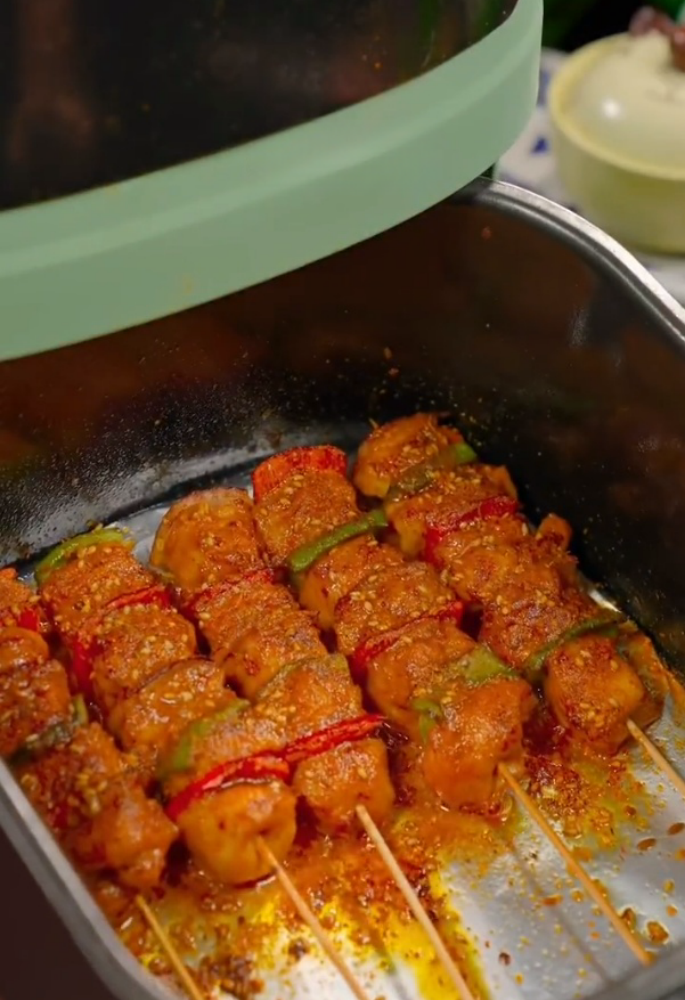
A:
(59, 880)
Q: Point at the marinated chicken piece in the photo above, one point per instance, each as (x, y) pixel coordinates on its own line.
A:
(34, 698)
(208, 538)
(306, 506)
(640, 653)
(394, 448)
(334, 783)
(448, 496)
(223, 830)
(98, 809)
(224, 615)
(386, 600)
(19, 605)
(131, 645)
(261, 651)
(80, 589)
(253, 630)
(407, 669)
(594, 692)
(152, 719)
(529, 614)
(339, 571)
(481, 727)
(481, 558)
(20, 647)
(309, 698)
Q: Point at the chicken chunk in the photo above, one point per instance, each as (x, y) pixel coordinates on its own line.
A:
(224, 831)
(394, 448)
(208, 538)
(338, 572)
(593, 691)
(386, 600)
(482, 726)
(253, 630)
(529, 615)
(334, 783)
(80, 589)
(133, 644)
(152, 719)
(411, 667)
(34, 698)
(304, 507)
(97, 808)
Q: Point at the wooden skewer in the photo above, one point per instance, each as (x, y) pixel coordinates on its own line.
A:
(310, 919)
(677, 690)
(415, 904)
(656, 755)
(191, 987)
(575, 868)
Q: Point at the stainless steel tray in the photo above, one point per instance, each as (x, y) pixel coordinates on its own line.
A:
(536, 331)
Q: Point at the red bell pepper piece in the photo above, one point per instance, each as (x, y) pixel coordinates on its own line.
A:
(261, 767)
(347, 731)
(83, 647)
(279, 468)
(491, 509)
(273, 764)
(82, 654)
(31, 616)
(157, 594)
(31, 619)
(371, 648)
(253, 578)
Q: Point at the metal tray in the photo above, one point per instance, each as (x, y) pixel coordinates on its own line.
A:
(556, 352)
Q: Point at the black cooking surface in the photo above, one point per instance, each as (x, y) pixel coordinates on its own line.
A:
(96, 92)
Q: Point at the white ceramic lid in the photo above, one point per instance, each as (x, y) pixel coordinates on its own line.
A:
(630, 104)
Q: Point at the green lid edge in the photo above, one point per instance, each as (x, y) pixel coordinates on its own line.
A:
(125, 254)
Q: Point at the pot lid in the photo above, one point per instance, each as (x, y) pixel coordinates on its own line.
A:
(155, 167)
(625, 99)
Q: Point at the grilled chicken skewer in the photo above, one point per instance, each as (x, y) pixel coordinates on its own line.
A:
(253, 625)
(136, 657)
(394, 620)
(272, 652)
(597, 673)
(71, 770)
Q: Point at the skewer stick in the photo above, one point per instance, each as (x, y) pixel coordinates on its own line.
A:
(656, 755)
(415, 904)
(310, 919)
(189, 984)
(677, 690)
(575, 868)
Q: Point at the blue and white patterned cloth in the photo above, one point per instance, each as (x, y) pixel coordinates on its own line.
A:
(530, 164)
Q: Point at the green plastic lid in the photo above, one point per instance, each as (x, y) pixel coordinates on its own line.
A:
(110, 258)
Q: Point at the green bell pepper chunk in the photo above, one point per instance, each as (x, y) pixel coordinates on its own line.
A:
(606, 623)
(180, 758)
(53, 736)
(480, 666)
(304, 557)
(59, 555)
(420, 476)
(430, 712)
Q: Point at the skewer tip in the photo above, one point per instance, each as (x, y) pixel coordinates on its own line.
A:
(414, 903)
(167, 945)
(574, 866)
